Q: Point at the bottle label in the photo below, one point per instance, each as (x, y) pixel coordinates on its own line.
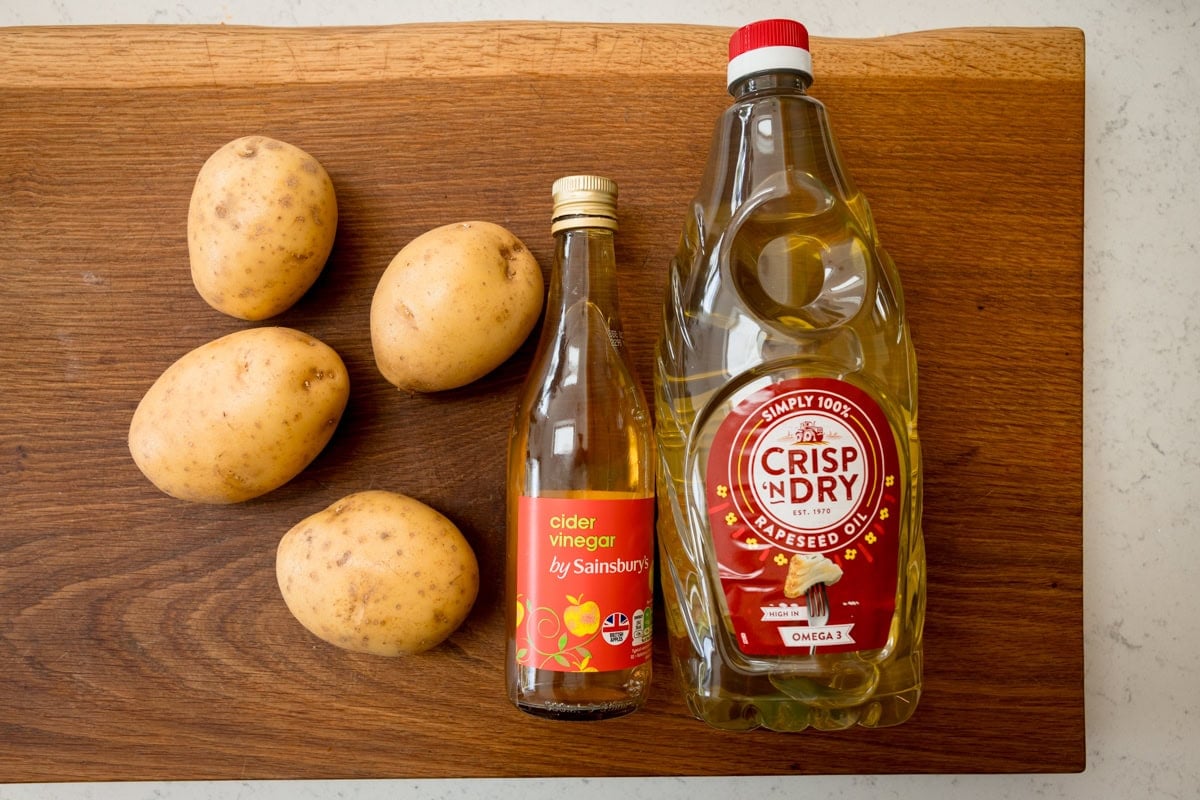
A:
(585, 577)
(803, 491)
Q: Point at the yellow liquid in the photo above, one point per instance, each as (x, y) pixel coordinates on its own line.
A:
(791, 283)
(575, 695)
(582, 431)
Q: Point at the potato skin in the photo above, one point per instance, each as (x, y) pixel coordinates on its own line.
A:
(378, 572)
(239, 416)
(261, 225)
(454, 304)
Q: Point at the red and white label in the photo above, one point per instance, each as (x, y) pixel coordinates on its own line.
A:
(803, 489)
(584, 583)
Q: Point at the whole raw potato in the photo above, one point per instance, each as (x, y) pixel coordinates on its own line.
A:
(453, 305)
(239, 416)
(261, 224)
(378, 572)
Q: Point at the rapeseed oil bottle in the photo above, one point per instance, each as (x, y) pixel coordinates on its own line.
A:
(789, 487)
(581, 487)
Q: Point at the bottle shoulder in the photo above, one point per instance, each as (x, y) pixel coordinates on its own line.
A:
(780, 261)
(580, 359)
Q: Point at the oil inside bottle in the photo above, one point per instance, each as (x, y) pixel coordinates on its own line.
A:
(785, 400)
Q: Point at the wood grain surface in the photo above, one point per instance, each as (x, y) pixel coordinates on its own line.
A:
(144, 638)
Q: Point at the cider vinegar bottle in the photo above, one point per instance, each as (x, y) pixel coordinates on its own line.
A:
(581, 487)
(792, 561)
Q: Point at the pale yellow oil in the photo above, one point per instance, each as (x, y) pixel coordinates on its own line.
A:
(779, 274)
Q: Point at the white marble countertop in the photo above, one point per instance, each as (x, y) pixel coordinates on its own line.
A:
(1141, 384)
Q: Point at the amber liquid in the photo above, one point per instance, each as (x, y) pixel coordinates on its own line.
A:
(582, 430)
(779, 275)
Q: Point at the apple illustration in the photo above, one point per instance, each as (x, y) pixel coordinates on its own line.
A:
(581, 618)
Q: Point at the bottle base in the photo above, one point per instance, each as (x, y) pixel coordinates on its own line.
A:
(578, 695)
(789, 715)
(580, 713)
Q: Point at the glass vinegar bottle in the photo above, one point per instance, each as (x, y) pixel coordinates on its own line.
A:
(580, 492)
(792, 560)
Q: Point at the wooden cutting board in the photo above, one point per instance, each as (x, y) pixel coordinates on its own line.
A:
(144, 638)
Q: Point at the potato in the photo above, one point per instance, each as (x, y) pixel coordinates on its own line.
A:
(378, 572)
(261, 224)
(453, 305)
(239, 416)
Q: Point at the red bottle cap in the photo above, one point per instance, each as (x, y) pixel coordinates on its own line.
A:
(768, 45)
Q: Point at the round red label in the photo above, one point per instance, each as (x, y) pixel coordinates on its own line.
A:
(803, 506)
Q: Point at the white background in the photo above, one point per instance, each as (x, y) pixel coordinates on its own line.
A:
(1141, 383)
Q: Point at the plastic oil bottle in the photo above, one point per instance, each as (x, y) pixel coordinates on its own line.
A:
(789, 486)
(581, 487)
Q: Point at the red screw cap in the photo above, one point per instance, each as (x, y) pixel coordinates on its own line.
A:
(768, 45)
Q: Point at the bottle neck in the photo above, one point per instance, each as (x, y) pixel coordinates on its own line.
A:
(584, 268)
(783, 82)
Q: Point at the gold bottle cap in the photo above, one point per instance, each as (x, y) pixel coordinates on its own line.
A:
(584, 201)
